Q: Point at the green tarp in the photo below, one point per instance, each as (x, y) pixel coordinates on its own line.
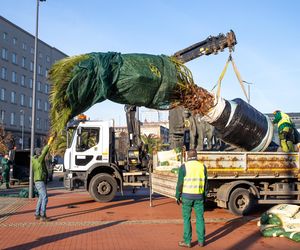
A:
(135, 79)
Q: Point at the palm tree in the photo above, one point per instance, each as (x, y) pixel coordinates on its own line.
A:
(153, 142)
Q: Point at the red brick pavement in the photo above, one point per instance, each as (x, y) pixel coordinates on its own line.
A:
(126, 223)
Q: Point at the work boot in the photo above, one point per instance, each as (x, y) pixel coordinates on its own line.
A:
(37, 217)
(45, 219)
(201, 244)
(183, 244)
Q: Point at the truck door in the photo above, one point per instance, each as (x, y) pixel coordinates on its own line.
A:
(88, 148)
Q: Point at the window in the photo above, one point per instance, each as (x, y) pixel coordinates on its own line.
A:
(40, 55)
(30, 102)
(22, 118)
(24, 62)
(12, 118)
(89, 138)
(2, 95)
(22, 99)
(39, 86)
(29, 120)
(31, 66)
(38, 123)
(46, 72)
(39, 104)
(23, 80)
(4, 73)
(30, 83)
(24, 46)
(40, 70)
(14, 58)
(14, 77)
(5, 35)
(4, 54)
(46, 124)
(46, 88)
(13, 97)
(32, 50)
(48, 58)
(14, 41)
(46, 106)
(2, 116)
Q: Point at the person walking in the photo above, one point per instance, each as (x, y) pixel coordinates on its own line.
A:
(285, 130)
(5, 162)
(40, 173)
(191, 192)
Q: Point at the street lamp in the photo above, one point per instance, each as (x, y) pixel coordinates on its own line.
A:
(22, 126)
(34, 97)
(248, 83)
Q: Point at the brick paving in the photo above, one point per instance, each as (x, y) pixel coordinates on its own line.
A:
(125, 223)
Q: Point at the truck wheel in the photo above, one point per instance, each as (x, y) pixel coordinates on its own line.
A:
(240, 201)
(103, 187)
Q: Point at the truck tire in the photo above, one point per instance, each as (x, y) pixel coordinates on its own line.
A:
(103, 187)
(241, 201)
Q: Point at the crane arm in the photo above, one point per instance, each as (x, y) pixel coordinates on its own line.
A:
(212, 44)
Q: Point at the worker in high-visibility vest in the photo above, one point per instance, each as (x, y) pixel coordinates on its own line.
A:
(285, 130)
(191, 192)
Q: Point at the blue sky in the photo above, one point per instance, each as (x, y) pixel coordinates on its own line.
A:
(267, 53)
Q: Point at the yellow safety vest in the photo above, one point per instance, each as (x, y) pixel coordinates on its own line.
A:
(284, 119)
(194, 179)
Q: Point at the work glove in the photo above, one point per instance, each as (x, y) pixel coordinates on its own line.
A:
(178, 201)
(50, 140)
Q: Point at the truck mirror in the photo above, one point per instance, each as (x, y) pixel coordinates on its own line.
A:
(146, 147)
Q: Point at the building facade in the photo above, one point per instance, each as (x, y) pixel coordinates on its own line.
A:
(16, 84)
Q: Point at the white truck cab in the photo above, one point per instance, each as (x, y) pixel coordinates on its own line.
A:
(90, 160)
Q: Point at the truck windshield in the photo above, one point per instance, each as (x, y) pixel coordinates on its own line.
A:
(88, 138)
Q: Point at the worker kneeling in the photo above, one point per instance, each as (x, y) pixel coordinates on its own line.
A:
(191, 191)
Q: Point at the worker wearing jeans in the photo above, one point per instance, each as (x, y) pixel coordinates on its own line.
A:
(40, 179)
(191, 191)
(40, 211)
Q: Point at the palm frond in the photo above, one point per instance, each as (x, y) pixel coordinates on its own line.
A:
(60, 75)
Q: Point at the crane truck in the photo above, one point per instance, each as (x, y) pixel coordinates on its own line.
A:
(91, 158)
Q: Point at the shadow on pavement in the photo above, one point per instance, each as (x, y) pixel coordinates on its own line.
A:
(66, 215)
(247, 241)
(51, 238)
(228, 228)
(48, 208)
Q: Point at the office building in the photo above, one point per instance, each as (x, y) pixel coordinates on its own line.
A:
(16, 83)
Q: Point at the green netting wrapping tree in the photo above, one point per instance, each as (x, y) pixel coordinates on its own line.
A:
(158, 82)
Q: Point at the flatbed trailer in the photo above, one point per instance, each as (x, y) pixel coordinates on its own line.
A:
(240, 180)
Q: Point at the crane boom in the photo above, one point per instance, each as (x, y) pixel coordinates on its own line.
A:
(212, 44)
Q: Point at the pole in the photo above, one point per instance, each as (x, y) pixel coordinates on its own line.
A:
(22, 111)
(33, 99)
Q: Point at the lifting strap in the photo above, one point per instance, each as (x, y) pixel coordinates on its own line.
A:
(237, 73)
